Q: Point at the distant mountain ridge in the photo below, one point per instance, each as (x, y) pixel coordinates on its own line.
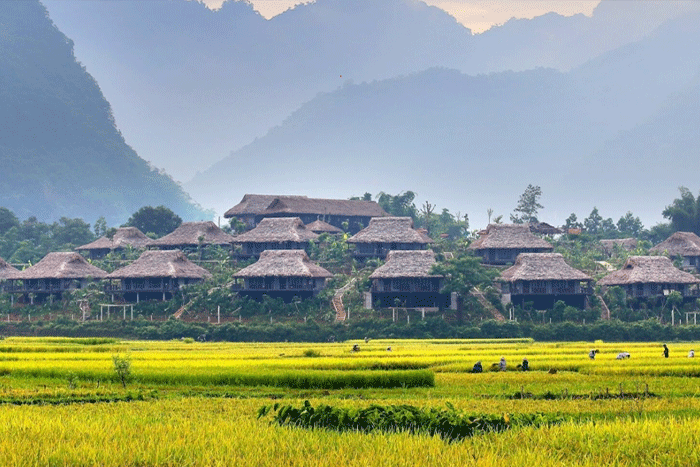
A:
(474, 142)
(189, 85)
(60, 152)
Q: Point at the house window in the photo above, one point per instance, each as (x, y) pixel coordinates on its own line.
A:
(539, 287)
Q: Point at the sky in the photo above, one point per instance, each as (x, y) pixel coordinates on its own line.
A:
(477, 15)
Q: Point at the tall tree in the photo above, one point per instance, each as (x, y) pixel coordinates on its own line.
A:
(684, 212)
(630, 225)
(528, 206)
(594, 222)
(159, 220)
(399, 205)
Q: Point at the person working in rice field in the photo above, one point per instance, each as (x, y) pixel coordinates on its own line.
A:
(665, 351)
(502, 364)
(477, 367)
(691, 354)
(592, 353)
(525, 366)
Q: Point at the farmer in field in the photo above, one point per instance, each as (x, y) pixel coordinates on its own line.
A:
(691, 354)
(623, 355)
(665, 351)
(502, 364)
(592, 353)
(477, 367)
(525, 366)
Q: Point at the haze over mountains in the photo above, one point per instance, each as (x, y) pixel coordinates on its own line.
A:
(189, 85)
(60, 153)
(339, 97)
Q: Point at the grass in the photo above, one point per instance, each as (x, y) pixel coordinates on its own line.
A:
(194, 403)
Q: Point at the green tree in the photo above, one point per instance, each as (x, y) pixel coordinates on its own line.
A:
(528, 206)
(7, 220)
(71, 232)
(594, 222)
(463, 273)
(629, 225)
(159, 220)
(122, 367)
(684, 212)
(572, 222)
(399, 205)
(100, 226)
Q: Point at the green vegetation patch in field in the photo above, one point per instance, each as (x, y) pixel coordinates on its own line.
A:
(449, 424)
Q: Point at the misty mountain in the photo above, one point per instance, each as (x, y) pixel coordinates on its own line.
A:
(560, 42)
(473, 142)
(205, 82)
(188, 85)
(60, 152)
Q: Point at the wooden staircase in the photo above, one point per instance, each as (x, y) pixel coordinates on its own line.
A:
(479, 295)
(179, 312)
(340, 313)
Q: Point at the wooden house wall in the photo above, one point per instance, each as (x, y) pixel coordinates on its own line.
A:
(380, 250)
(506, 255)
(250, 249)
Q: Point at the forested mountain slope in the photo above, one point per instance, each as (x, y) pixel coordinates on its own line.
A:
(60, 151)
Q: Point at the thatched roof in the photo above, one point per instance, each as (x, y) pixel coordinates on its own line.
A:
(6, 269)
(508, 236)
(274, 205)
(390, 230)
(544, 228)
(542, 267)
(161, 263)
(322, 227)
(283, 263)
(122, 237)
(648, 269)
(61, 265)
(411, 263)
(277, 230)
(624, 243)
(680, 243)
(189, 233)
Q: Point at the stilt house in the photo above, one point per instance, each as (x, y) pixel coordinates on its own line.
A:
(54, 274)
(651, 277)
(405, 279)
(281, 273)
(384, 234)
(253, 208)
(190, 235)
(502, 243)
(683, 244)
(157, 274)
(6, 270)
(544, 278)
(123, 237)
(283, 233)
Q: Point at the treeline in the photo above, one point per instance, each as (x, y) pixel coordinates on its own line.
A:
(311, 331)
(30, 240)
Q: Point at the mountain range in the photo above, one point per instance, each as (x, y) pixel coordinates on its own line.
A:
(189, 85)
(336, 97)
(616, 132)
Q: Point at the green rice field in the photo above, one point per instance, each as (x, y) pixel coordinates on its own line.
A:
(188, 403)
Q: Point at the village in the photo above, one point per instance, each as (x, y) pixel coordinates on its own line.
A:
(330, 259)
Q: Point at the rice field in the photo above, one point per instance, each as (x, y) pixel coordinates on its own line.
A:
(190, 403)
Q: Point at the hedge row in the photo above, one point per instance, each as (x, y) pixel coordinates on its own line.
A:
(434, 328)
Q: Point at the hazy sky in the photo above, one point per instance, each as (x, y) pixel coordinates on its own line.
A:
(477, 15)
